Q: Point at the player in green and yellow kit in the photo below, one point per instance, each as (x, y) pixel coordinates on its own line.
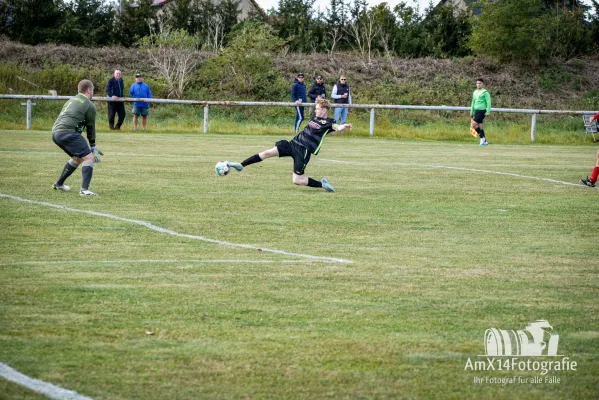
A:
(479, 109)
(77, 114)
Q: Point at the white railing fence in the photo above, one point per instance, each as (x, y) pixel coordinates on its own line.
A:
(371, 107)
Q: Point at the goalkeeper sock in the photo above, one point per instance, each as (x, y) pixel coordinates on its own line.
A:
(69, 168)
(594, 175)
(251, 160)
(314, 183)
(87, 171)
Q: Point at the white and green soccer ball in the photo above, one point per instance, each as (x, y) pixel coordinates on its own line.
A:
(221, 168)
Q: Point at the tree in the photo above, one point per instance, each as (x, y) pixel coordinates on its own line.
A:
(31, 21)
(531, 31)
(448, 31)
(136, 20)
(245, 67)
(511, 30)
(294, 22)
(172, 53)
(364, 30)
(86, 23)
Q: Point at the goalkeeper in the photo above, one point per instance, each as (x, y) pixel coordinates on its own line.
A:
(77, 114)
(302, 146)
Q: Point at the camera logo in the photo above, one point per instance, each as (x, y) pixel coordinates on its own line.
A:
(537, 339)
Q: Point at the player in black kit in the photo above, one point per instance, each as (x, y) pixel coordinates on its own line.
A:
(301, 147)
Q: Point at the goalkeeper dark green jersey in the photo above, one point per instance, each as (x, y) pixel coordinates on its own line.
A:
(77, 114)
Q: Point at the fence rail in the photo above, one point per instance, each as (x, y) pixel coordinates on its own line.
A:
(371, 107)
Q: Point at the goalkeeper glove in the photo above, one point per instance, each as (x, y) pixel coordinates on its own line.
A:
(97, 154)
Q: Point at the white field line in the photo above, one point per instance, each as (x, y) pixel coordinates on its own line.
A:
(482, 171)
(173, 233)
(45, 388)
(207, 261)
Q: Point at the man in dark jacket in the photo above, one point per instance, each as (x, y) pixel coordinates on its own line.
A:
(298, 95)
(317, 90)
(115, 90)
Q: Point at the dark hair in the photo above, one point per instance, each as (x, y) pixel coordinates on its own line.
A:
(84, 86)
(480, 79)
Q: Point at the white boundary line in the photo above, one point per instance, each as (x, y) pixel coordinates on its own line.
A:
(461, 169)
(45, 388)
(208, 261)
(173, 233)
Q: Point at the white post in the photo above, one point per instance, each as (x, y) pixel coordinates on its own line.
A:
(29, 104)
(206, 118)
(372, 122)
(533, 128)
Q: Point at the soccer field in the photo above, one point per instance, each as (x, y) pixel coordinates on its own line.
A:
(178, 284)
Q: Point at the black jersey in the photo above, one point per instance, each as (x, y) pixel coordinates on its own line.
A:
(314, 133)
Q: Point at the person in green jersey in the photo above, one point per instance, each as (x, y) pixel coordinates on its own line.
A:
(479, 109)
(77, 114)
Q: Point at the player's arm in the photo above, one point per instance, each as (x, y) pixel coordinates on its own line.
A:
(488, 101)
(90, 127)
(594, 117)
(339, 128)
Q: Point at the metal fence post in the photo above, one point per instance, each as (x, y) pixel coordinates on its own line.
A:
(29, 105)
(206, 118)
(372, 122)
(533, 128)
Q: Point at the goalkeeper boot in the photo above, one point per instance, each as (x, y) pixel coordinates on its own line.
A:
(587, 182)
(63, 187)
(238, 167)
(326, 185)
(85, 192)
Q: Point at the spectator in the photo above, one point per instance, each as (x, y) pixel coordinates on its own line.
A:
(316, 91)
(341, 95)
(115, 89)
(298, 95)
(140, 90)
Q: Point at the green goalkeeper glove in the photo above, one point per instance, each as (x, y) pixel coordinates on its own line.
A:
(97, 154)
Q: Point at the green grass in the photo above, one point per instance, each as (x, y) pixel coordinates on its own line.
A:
(439, 255)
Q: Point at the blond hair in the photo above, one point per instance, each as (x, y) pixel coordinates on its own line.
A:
(323, 103)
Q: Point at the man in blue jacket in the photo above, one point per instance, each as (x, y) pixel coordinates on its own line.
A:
(140, 90)
(115, 89)
(298, 95)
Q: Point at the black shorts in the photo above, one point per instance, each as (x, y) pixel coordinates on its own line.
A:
(479, 116)
(71, 143)
(301, 155)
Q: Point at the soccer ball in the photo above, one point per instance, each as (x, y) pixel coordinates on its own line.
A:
(221, 168)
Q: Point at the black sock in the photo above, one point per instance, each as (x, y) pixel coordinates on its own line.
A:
(481, 133)
(251, 160)
(69, 168)
(314, 183)
(87, 171)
